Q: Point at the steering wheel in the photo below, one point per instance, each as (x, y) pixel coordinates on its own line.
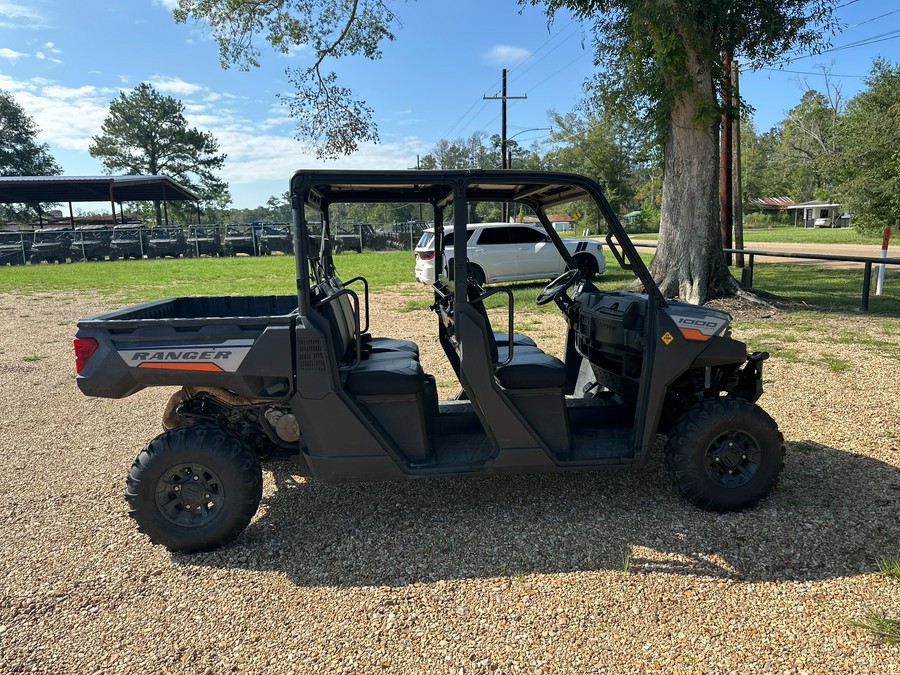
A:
(556, 288)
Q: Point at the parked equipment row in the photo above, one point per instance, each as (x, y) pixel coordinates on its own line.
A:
(134, 240)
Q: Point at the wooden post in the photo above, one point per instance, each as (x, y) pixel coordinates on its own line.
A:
(738, 192)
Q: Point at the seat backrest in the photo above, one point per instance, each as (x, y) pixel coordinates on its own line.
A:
(473, 291)
(334, 312)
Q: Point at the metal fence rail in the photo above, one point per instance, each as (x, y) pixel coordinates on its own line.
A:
(866, 261)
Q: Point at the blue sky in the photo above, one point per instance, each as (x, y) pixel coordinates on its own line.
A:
(65, 60)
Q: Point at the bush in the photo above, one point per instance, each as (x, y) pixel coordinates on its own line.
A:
(763, 221)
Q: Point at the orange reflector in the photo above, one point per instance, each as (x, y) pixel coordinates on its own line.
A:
(693, 334)
(207, 367)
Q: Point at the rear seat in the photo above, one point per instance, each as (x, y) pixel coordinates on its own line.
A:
(384, 371)
(369, 343)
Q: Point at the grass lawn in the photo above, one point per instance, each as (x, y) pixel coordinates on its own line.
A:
(136, 281)
(801, 235)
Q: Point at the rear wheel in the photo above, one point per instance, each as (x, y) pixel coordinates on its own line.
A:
(725, 454)
(194, 488)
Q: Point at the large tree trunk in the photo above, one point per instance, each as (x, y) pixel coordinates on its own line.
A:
(689, 262)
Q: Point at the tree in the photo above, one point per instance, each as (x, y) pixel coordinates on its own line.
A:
(20, 152)
(146, 133)
(591, 143)
(805, 144)
(868, 164)
(328, 116)
(662, 64)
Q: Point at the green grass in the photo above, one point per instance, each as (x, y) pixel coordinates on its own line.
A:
(137, 281)
(834, 363)
(881, 626)
(801, 235)
(826, 288)
(889, 567)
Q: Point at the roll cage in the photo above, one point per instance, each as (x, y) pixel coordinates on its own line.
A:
(539, 190)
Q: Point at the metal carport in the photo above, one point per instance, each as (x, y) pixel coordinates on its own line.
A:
(55, 189)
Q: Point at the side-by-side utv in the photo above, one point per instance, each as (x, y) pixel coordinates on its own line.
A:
(305, 377)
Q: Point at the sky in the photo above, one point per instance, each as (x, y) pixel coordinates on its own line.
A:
(64, 61)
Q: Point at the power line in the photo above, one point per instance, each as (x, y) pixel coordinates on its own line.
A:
(466, 119)
(874, 18)
(809, 72)
(883, 37)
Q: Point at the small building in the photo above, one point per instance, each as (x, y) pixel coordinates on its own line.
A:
(772, 205)
(819, 213)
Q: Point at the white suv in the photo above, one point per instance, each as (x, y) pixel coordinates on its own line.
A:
(510, 252)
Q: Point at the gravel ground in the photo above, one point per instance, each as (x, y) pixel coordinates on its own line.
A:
(592, 572)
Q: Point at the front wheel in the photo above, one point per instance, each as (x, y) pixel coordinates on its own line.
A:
(194, 488)
(725, 454)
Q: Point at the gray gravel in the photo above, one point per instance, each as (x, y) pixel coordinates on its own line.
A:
(593, 572)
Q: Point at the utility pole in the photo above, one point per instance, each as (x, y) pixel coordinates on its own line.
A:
(725, 159)
(738, 192)
(418, 168)
(503, 98)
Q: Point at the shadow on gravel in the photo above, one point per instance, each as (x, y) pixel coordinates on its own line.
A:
(833, 514)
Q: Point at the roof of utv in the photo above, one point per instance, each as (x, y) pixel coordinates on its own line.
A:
(535, 188)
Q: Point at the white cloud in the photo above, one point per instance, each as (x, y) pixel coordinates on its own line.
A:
(6, 53)
(261, 155)
(174, 85)
(41, 56)
(67, 116)
(16, 15)
(167, 4)
(506, 55)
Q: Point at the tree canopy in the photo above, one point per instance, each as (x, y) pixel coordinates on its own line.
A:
(327, 114)
(867, 165)
(661, 62)
(20, 153)
(147, 133)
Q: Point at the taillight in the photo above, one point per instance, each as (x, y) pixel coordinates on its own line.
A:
(84, 350)
(425, 255)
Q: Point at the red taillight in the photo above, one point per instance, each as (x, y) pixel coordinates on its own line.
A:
(425, 255)
(84, 350)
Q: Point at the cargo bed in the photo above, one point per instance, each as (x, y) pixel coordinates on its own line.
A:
(197, 341)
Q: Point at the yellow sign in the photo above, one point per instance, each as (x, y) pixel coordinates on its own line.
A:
(667, 338)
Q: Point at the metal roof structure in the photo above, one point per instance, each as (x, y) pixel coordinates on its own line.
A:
(32, 189)
(773, 203)
(814, 204)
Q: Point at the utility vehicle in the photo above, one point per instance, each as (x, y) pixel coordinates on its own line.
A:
(241, 239)
(303, 376)
(166, 240)
(53, 244)
(273, 237)
(15, 247)
(203, 240)
(91, 242)
(129, 240)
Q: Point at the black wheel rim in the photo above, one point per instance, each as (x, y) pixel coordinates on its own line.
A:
(190, 495)
(733, 459)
